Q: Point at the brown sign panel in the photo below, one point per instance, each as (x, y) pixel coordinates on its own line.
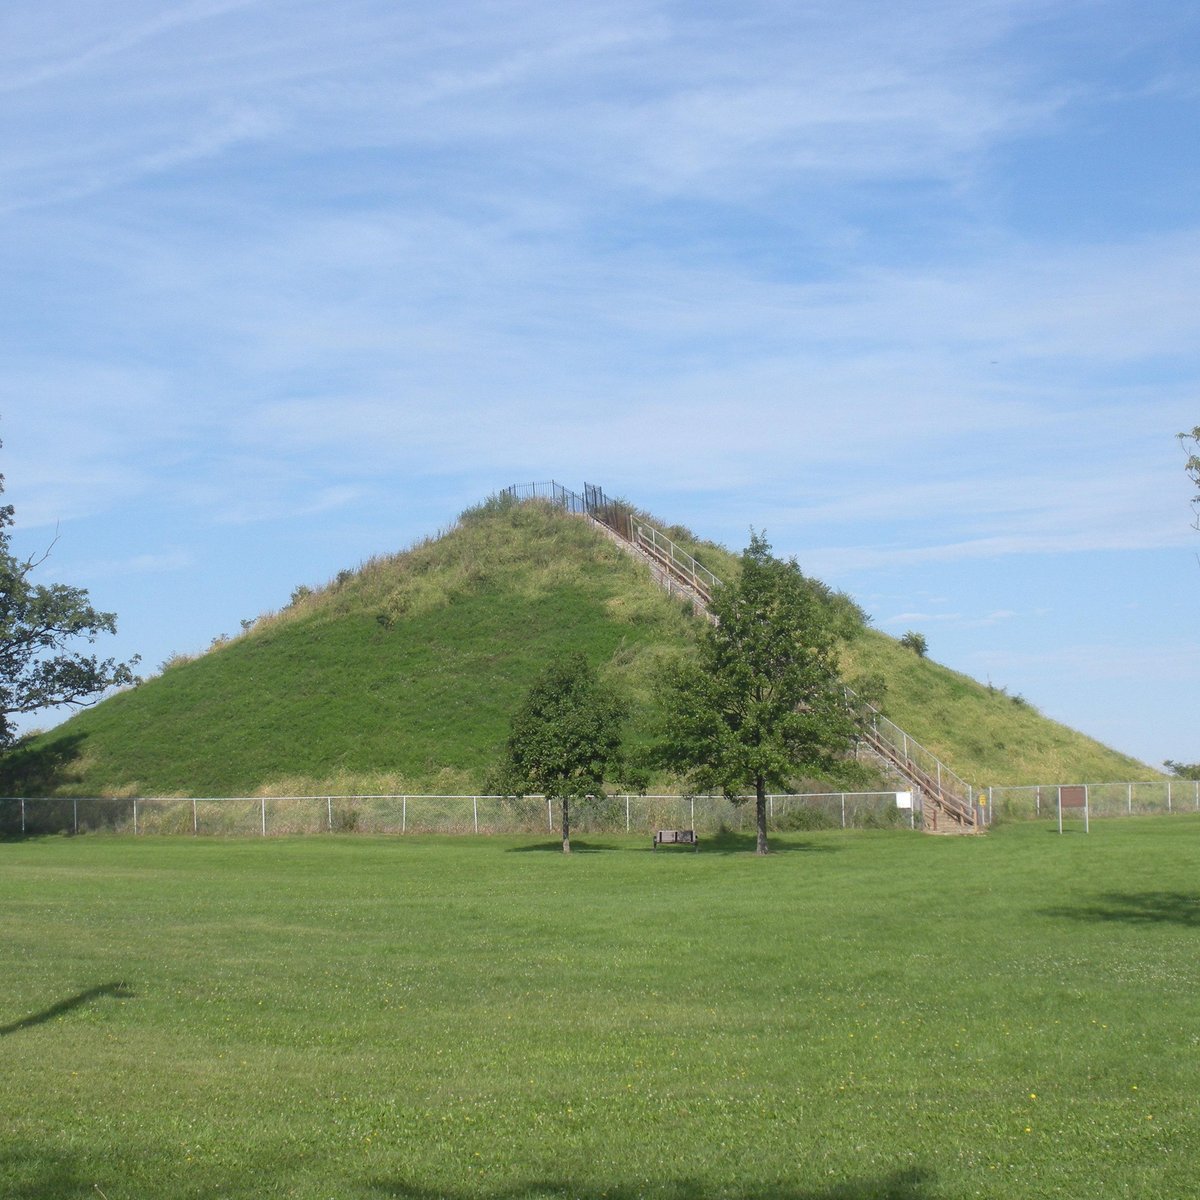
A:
(1072, 797)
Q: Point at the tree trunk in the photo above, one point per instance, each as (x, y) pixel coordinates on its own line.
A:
(566, 803)
(760, 810)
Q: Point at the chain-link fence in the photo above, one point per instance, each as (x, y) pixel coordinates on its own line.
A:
(1161, 796)
(279, 815)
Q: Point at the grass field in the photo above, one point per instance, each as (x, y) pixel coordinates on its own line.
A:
(863, 1014)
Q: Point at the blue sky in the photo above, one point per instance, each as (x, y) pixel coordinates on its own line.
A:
(914, 288)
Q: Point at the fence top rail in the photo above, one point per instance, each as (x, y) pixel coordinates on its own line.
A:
(325, 796)
(1113, 783)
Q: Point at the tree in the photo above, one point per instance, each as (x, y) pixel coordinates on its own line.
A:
(1183, 770)
(38, 624)
(915, 642)
(762, 703)
(1192, 466)
(565, 739)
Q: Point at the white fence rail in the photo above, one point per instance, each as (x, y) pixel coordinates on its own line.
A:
(265, 816)
(1159, 796)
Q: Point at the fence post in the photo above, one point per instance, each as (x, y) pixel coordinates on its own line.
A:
(1168, 795)
(475, 810)
(1129, 798)
(403, 814)
(626, 812)
(195, 819)
(135, 816)
(75, 811)
(693, 800)
(550, 813)
(263, 806)
(843, 810)
(22, 816)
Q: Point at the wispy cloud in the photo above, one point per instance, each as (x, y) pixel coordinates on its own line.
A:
(863, 274)
(87, 48)
(138, 564)
(958, 619)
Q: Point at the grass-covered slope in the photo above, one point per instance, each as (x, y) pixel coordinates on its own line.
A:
(402, 677)
(986, 735)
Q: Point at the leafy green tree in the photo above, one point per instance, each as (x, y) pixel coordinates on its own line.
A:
(38, 625)
(1183, 770)
(915, 642)
(565, 739)
(1192, 466)
(761, 703)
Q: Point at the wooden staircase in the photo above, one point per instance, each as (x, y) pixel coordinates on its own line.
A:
(947, 801)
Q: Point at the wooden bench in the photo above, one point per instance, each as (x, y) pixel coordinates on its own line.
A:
(676, 837)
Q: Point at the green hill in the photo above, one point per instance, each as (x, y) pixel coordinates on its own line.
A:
(401, 676)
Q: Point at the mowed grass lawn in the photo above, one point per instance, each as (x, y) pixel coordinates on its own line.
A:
(863, 1014)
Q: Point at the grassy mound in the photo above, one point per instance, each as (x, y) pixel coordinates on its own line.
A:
(402, 676)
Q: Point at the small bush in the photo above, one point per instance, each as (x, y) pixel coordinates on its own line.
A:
(881, 818)
(345, 819)
(806, 818)
(502, 502)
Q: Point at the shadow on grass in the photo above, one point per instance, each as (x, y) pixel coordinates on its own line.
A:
(119, 991)
(578, 846)
(42, 1171)
(901, 1185)
(716, 843)
(1136, 908)
(36, 767)
(729, 842)
(36, 1173)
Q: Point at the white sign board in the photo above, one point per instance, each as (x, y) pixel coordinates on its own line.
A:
(904, 799)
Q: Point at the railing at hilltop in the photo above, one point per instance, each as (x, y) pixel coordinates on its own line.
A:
(626, 524)
(554, 492)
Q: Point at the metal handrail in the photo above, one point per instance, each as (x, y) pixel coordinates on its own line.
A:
(679, 561)
(914, 752)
